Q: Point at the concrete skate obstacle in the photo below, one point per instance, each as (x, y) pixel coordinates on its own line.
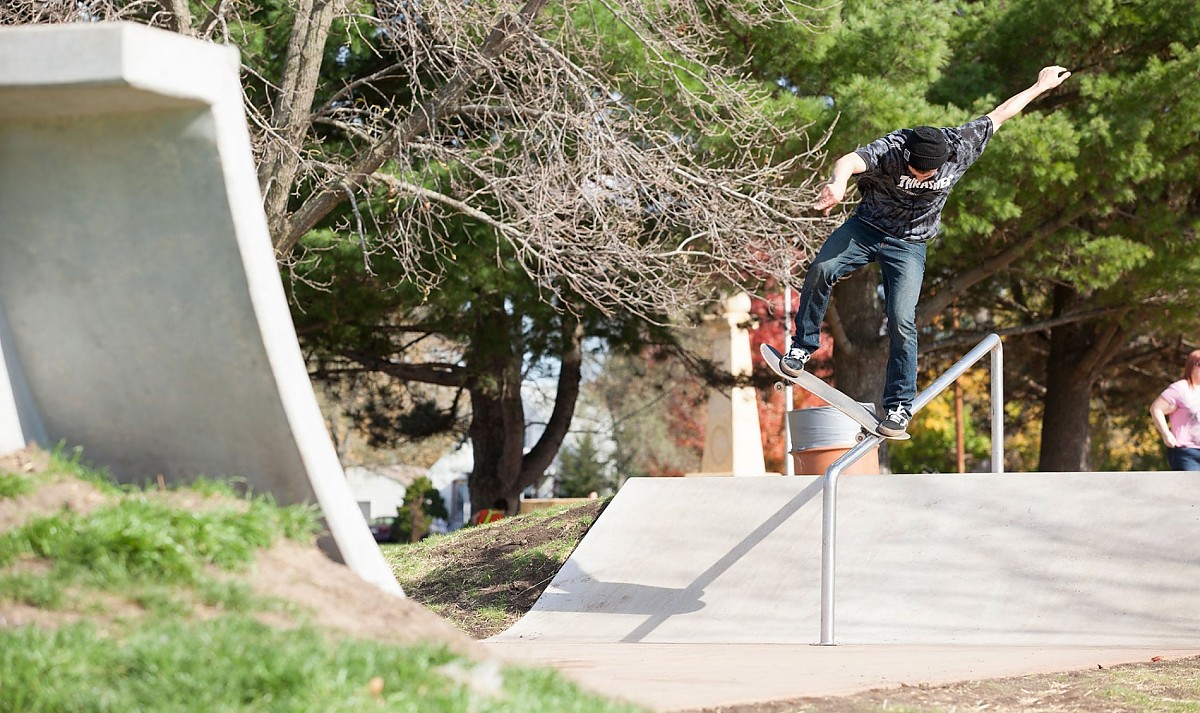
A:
(142, 315)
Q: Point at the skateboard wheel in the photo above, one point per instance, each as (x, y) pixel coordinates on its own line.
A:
(859, 438)
(779, 386)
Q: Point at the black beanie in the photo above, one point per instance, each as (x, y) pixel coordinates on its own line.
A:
(926, 148)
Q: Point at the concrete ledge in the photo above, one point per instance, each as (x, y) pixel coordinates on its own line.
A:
(531, 504)
(78, 70)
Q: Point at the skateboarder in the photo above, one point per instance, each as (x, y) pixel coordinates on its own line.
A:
(904, 180)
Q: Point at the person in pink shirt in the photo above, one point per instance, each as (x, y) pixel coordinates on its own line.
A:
(1176, 414)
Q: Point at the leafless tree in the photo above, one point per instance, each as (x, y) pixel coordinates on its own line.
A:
(637, 183)
(605, 143)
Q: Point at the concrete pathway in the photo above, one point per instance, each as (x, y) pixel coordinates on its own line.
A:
(679, 677)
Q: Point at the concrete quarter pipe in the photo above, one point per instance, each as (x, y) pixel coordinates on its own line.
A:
(141, 312)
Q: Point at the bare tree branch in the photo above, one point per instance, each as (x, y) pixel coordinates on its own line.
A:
(636, 191)
(420, 121)
(181, 15)
(964, 339)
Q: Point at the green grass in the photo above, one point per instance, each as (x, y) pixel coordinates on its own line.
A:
(143, 549)
(132, 572)
(138, 537)
(13, 485)
(146, 550)
(237, 664)
(38, 591)
(1141, 689)
(68, 462)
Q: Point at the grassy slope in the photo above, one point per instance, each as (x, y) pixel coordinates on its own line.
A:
(485, 578)
(140, 600)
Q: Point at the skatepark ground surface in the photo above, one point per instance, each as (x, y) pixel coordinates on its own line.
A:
(660, 676)
(704, 593)
(687, 677)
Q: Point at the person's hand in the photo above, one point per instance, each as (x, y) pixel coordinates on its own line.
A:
(1170, 439)
(831, 195)
(1051, 77)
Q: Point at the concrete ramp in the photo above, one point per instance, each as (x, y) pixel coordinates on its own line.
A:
(1047, 559)
(142, 315)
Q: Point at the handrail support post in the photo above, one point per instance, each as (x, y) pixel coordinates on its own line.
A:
(990, 343)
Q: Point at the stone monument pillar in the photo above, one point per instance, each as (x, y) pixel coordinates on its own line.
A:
(733, 442)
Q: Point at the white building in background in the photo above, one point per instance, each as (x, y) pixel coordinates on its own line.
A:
(379, 490)
(449, 475)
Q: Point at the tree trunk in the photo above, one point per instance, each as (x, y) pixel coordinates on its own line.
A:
(497, 435)
(502, 470)
(280, 163)
(497, 428)
(570, 376)
(180, 16)
(1072, 367)
(1066, 433)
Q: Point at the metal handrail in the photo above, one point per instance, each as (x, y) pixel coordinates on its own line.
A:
(990, 343)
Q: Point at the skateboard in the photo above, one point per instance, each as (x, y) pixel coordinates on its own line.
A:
(861, 414)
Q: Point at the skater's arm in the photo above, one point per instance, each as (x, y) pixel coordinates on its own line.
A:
(1048, 78)
(1158, 411)
(849, 165)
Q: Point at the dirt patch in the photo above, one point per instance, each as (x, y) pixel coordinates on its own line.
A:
(27, 460)
(341, 601)
(14, 614)
(50, 497)
(100, 608)
(1127, 688)
(197, 502)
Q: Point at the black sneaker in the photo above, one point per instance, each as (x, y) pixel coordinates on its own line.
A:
(896, 422)
(793, 362)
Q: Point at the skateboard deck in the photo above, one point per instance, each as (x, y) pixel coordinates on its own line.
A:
(861, 414)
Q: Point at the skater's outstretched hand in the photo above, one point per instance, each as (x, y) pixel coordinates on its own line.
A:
(1049, 78)
(833, 192)
(830, 196)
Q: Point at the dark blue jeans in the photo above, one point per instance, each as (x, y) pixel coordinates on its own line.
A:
(902, 265)
(1183, 458)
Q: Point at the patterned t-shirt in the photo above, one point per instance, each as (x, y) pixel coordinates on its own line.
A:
(1185, 419)
(902, 206)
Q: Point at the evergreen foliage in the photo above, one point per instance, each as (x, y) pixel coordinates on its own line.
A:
(582, 470)
(421, 505)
